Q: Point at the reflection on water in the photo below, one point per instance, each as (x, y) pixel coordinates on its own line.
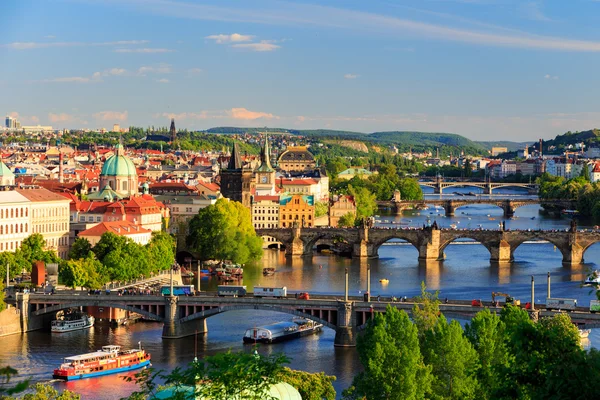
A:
(465, 274)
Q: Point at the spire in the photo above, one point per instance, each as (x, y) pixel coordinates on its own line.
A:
(265, 157)
(119, 147)
(235, 162)
(173, 131)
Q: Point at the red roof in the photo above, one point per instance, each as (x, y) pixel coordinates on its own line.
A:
(266, 198)
(121, 228)
(210, 186)
(305, 182)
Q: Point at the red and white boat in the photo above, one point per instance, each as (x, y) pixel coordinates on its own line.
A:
(109, 360)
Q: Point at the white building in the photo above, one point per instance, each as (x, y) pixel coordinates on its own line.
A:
(15, 220)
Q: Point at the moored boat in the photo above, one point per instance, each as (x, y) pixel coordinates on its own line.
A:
(281, 331)
(75, 323)
(268, 271)
(109, 360)
(593, 278)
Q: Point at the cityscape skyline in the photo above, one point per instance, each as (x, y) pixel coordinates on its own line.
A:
(484, 69)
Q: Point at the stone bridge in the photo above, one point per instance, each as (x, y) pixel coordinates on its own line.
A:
(439, 186)
(508, 206)
(186, 315)
(430, 242)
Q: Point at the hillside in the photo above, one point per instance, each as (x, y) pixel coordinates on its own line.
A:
(591, 138)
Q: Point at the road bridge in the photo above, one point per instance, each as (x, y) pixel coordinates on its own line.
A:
(186, 315)
(488, 187)
(431, 242)
(508, 206)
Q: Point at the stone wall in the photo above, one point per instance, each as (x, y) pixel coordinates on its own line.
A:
(10, 322)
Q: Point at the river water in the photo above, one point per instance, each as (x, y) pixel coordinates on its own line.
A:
(465, 274)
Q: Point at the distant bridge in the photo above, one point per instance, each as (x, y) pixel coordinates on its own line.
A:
(429, 242)
(439, 185)
(509, 206)
(186, 315)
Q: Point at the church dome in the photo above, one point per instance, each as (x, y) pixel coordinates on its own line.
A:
(118, 164)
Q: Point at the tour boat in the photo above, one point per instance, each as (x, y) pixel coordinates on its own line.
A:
(109, 360)
(70, 324)
(281, 331)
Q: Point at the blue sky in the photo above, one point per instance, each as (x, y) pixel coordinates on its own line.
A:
(486, 69)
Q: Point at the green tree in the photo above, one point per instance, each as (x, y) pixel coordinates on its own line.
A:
(224, 231)
(426, 310)
(312, 386)
(321, 208)
(2, 303)
(80, 249)
(33, 249)
(410, 189)
(224, 376)
(585, 172)
(468, 168)
(43, 391)
(453, 360)
(366, 204)
(161, 251)
(487, 335)
(347, 220)
(14, 260)
(108, 243)
(84, 272)
(390, 354)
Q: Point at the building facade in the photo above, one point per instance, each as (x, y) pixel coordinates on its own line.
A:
(296, 159)
(15, 220)
(340, 206)
(296, 210)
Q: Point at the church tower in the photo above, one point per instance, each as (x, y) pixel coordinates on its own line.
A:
(231, 177)
(172, 131)
(265, 174)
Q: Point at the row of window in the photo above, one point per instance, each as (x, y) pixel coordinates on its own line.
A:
(46, 228)
(308, 224)
(267, 218)
(50, 212)
(14, 212)
(292, 215)
(267, 211)
(9, 246)
(16, 228)
(266, 225)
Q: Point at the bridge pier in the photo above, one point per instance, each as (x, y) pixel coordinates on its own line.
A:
(573, 255)
(431, 250)
(449, 208)
(502, 253)
(345, 332)
(172, 328)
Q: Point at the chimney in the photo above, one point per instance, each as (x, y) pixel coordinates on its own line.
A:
(61, 178)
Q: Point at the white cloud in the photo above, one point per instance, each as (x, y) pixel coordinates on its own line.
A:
(117, 71)
(533, 10)
(45, 45)
(95, 77)
(160, 69)
(62, 117)
(233, 38)
(193, 71)
(111, 116)
(351, 76)
(68, 79)
(263, 45)
(242, 113)
(163, 80)
(553, 77)
(315, 15)
(144, 50)
(50, 37)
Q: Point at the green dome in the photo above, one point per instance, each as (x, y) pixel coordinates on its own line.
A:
(5, 171)
(118, 165)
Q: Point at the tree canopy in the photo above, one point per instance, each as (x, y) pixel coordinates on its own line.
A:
(224, 231)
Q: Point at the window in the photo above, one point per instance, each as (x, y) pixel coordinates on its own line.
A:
(81, 218)
(98, 219)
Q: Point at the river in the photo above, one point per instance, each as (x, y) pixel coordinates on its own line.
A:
(465, 274)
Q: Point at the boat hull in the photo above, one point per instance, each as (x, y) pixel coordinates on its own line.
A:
(283, 338)
(101, 373)
(71, 329)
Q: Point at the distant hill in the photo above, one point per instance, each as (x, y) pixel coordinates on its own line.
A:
(403, 140)
(590, 138)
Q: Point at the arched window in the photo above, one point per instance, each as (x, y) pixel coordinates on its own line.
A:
(21, 212)
(124, 185)
(12, 228)
(27, 212)
(11, 213)
(21, 228)
(26, 227)
(1, 229)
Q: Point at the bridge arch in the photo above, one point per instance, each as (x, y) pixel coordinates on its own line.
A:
(466, 235)
(394, 235)
(587, 246)
(330, 237)
(541, 236)
(94, 303)
(219, 310)
(447, 185)
(183, 255)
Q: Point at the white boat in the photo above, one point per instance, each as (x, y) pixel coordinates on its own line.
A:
(68, 325)
(593, 278)
(281, 331)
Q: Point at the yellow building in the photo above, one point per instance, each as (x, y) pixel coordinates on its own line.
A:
(341, 205)
(49, 216)
(296, 209)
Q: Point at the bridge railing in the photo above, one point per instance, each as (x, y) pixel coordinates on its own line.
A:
(161, 275)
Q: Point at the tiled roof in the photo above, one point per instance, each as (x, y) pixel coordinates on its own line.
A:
(121, 228)
(41, 195)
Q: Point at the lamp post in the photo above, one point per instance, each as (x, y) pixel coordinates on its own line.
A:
(532, 294)
(346, 287)
(368, 283)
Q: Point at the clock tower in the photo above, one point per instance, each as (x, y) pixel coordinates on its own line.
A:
(265, 174)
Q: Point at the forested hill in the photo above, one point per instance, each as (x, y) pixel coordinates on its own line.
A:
(403, 140)
(590, 138)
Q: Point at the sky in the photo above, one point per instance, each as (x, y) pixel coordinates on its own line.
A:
(486, 69)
